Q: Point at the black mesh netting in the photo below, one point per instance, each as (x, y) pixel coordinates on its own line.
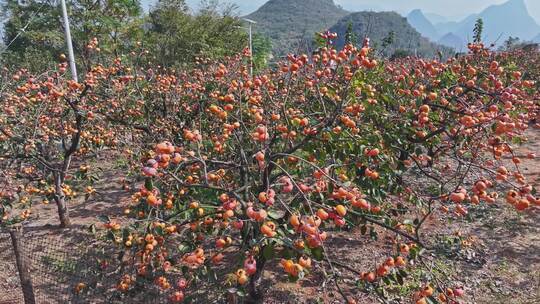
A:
(58, 264)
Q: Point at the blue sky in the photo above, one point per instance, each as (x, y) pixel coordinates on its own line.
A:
(454, 9)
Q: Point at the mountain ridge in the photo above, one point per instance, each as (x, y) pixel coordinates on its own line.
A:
(290, 23)
(453, 41)
(519, 23)
(422, 24)
(378, 26)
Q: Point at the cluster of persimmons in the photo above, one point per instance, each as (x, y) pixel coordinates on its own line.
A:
(239, 170)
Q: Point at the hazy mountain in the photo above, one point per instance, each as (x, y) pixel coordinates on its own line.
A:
(436, 18)
(377, 27)
(291, 24)
(452, 26)
(500, 22)
(453, 41)
(417, 19)
(536, 38)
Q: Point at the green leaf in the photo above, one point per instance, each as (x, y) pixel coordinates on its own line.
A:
(125, 234)
(268, 251)
(276, 214)
(432, 300)
(188, 298)
(92, 228)
(399, 278)
(317, 253)
(148, 184)
(407, 222)
(183, 248)
(110, 235)
(292, 279)
(288, 254)
(103, 218)
(159, 231)
(403, 273)
(372, 233)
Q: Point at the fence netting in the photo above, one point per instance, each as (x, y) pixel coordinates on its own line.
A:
(65, 268)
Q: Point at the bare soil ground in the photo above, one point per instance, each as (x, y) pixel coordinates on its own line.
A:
(499, 264)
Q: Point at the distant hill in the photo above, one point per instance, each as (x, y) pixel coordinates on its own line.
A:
(435, 18)
(453, 41)
(291, 24)
(510, 19)
(377, 26)
(502, 21)
(536, 38)
(417, 19)
(452, 26)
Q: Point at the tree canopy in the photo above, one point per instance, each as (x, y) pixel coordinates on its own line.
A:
(170, 32)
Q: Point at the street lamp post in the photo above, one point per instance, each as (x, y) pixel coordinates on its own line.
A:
(251, 22)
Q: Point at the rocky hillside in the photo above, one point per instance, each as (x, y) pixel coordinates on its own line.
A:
(378, 26)
(291, 24)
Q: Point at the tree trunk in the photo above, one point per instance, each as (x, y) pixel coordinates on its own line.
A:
(232, 296)
(63, 212)
(22, 267)
(61, 204)
(254, 294)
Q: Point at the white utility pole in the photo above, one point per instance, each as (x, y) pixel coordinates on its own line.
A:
(71, 56)
(250, 52)
(251, 22)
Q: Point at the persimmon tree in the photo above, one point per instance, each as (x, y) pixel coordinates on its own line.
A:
(242, 172)
(46, 121)
(49, 121)
(251, 170)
